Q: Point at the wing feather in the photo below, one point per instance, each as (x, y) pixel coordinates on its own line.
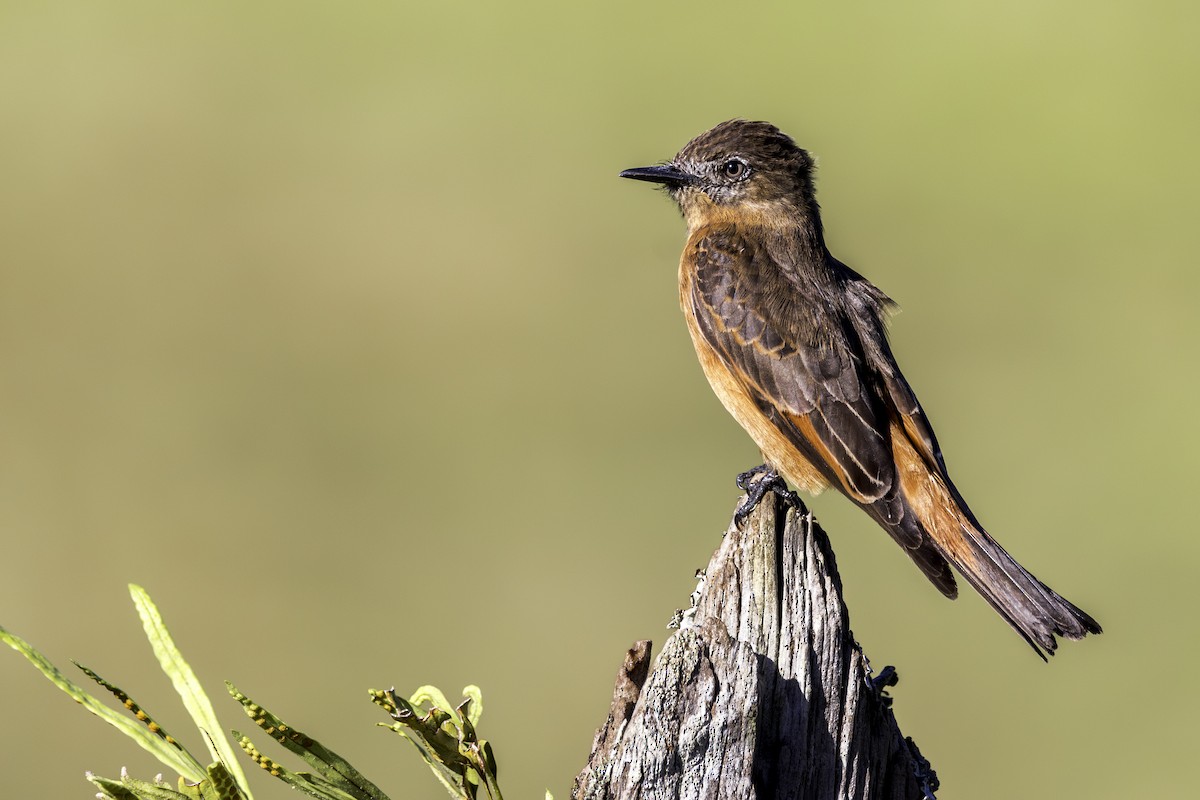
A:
(802, 364)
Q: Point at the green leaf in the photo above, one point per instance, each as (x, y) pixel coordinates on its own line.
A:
(186, 685)
(434, 697)
(223, 784)
(114, 789)
(128, 788)
(445, 737)
(131, 706)
(176, 759)
(332, 770)
(475, 710)
(312, 785)
(219, 785)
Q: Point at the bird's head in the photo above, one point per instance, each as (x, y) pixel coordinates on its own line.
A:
(744, 171)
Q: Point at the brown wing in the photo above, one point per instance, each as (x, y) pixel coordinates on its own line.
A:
(800, 356)
(869, 305)
(797, 358)
(1037, 612)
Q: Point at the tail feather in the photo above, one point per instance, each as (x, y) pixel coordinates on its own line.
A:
(929, 503)
(1035, 610)
(901, 524)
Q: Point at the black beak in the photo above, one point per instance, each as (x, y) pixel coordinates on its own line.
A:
(668, 174)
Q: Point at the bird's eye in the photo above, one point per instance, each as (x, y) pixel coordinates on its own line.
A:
(734, 169)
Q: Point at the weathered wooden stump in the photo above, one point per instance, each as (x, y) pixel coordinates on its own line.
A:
(762, 693)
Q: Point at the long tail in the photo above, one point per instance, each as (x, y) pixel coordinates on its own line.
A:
(929, 504)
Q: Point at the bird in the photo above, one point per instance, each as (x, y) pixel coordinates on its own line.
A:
(794, 344)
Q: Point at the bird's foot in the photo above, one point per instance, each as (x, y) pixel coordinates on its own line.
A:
(756, 483)
(744, 479)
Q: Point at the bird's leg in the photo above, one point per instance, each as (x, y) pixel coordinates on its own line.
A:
(756, 483)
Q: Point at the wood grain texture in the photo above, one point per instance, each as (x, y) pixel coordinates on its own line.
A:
(762, 693)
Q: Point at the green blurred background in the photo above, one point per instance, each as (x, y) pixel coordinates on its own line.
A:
(332, 325)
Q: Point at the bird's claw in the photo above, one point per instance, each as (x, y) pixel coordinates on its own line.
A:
(744, 479)
(756, 483)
